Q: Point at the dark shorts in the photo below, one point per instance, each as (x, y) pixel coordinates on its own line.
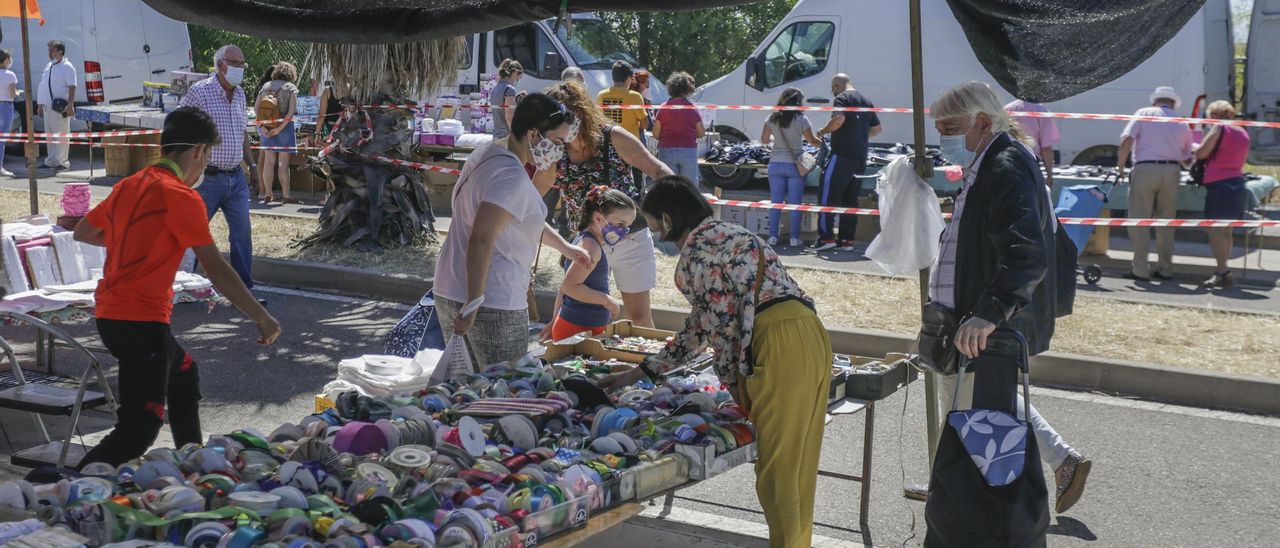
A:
(1226, 199)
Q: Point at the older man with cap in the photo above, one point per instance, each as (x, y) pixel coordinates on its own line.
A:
(1160, 151)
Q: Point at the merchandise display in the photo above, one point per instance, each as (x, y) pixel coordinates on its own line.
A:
(513, 455)
(642, 345)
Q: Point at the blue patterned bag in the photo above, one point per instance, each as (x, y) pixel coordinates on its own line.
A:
(417, 330)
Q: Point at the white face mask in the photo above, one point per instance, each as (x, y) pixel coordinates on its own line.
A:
(573, 131)
(546, 153)
(234, 75)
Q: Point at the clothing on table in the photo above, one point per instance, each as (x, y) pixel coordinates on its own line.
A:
(287, 138)
(582, 313)
(628, 119)
(679, 127)
(59, 154)
(332, 111)
(851, 140)
(155, 375)
(1153, 194)
(1227, 199)
(1053, 449)
(228, 114)
(942, 276)
(1229, 155)
(1043, 131)
(786, 186)
(1158, 141)
(7, 78)
(496, 336)
(717, 274)
(149, 221)
(492, 174)
(606, 168)
(788, 142)
(63, 76)
(497, 96)
(841, 187)
(7, 114)
(229, 191)
(788, 402)
(682, 161)
(634, 265)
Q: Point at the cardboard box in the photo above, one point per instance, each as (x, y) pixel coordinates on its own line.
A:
(624, 328)
(117, 157)
(591, 348)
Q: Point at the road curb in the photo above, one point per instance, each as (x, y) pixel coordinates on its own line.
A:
(1053, 369)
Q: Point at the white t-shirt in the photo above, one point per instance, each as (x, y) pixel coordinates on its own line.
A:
(7, 77)
(64, 77)
(493, 175)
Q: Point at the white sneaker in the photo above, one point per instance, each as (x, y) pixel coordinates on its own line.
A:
(5, 173)
(795, 242)
(773, 240)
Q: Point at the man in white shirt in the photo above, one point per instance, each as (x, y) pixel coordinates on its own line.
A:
(58, 84)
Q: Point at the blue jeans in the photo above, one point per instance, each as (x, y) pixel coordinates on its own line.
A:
(6, 124)
(786, 186)
(230, 193)
(682, 161)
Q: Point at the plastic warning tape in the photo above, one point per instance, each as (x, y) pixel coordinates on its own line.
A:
(83, 134)
(416, 165)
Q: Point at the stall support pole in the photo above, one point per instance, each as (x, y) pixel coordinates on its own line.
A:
(925, 169)
(30, 149)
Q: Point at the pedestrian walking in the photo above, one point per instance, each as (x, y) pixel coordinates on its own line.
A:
(503, 97)
(1159, 152)
(787, 130)
(678, 130)
(8, 92)
(1043, 133)
(277, 105)
(851, 133)
(1225, 150)
(57, 98)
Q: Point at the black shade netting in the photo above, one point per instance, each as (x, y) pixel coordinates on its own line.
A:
(1047, 50)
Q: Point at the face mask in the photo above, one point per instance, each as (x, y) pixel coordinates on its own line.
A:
(573, 131)
(235, 75)
(546, 153)
(669, 249)
(614, 234)
(954, 150)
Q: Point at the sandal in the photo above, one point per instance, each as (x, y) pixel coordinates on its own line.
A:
(269, 198)
(294, 201)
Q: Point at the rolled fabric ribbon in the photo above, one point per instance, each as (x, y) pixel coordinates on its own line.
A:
(409, 457)
(245, 537)
(290, 497)
(360, 438)
(206, 535)
(390, 432)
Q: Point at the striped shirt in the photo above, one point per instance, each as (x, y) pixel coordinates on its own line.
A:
(230, 117)
(942, 277)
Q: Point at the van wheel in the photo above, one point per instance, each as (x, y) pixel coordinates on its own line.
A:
(728, 178)
(1098, 155)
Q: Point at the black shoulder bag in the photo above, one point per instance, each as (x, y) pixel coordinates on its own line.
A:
(1199, 167)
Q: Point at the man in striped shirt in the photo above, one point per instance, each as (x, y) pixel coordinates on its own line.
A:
(226, 185)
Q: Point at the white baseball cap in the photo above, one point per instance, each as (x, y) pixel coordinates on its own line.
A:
(1166, 92)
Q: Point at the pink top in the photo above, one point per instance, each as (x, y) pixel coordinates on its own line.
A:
(1043, 130)
(1228, 160)
(1158, 141)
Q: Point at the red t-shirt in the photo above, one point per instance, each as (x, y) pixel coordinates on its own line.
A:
(679, 127)
(148, 222)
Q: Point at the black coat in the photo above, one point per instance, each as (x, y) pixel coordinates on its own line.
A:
(1005, 266)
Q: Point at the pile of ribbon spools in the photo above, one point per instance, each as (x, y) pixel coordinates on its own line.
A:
(513, 455)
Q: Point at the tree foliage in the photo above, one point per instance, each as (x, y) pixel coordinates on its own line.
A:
(705, 43)
(260, 53)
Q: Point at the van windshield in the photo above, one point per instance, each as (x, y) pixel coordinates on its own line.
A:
(593, 45)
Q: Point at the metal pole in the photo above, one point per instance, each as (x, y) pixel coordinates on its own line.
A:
(925, 169)
(30, 149)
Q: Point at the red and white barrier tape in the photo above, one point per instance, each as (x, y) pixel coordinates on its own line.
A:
(148, 145)
(1183, 223)
(418, 166)
(83, 134)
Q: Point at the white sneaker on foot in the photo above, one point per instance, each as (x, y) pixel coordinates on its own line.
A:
(5, 173)
(773, 240)
(795, 242)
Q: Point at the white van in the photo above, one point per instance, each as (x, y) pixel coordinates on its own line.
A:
(1262, 81)
(544, 52)
(115, 45)
(820, 38)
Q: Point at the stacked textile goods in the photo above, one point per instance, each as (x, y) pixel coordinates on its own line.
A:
(514, 455)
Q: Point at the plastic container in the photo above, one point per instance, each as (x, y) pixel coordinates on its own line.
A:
(557, 519)
(878, 386)
(704, 464)
(450, 127)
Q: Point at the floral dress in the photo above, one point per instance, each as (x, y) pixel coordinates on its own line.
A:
(605, 168)
(717, 275)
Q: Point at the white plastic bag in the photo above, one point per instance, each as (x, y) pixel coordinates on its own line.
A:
(910, 221)
(455, 363)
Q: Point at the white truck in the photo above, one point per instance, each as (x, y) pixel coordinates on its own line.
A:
(820, 38)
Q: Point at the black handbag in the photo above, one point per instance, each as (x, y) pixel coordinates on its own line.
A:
(987, 488)
(935, 343)
(59, 105)
(1198, 168)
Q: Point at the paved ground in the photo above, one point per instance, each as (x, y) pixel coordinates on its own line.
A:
(1163, 475)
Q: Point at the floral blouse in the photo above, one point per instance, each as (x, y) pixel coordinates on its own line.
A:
(575, 180)
(717, 275)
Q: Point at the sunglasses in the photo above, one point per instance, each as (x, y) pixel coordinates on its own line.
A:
(553, 120)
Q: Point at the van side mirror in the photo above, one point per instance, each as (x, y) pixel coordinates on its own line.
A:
(753, 73)
(551, 63)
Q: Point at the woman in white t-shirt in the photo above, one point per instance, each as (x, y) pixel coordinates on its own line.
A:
(498, 226)
(8, 91)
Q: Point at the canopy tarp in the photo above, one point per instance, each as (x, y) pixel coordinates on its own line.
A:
(1047, 50)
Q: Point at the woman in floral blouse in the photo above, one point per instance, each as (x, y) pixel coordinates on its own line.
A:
(771, 349)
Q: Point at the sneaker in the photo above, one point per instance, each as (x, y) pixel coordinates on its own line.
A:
(846, 245)
(5, 173)
(61, 168)
(1070, 479)
(1162, 276)
(773, 241)
(795, 242)
(823, 245)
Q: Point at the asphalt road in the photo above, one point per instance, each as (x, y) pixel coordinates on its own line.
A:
(1162, 476)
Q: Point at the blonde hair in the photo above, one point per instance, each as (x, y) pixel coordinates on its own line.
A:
(285, 71)
(574, 96)
(972, 98)
(1222, 110)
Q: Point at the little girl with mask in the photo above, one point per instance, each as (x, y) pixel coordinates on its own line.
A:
(585, 304)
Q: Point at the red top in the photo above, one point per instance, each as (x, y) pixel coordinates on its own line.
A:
(679, 127)
(148, 222)
(1228, 160)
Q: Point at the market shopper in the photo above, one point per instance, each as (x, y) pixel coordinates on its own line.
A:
(279, 139)
(635, 121)
(503, 96)
(573, 74)
(257, 194)
(771, 349)
(1226, 149)
(330, 111)
(584, 303)
(1160, 151)
(851, 134)
(147, 224)
(496, 233)
(995, 267)
(787, 130)
(678, 130)
(598, 153)
(57, 98)
(226, 187)
(8, 92)
(1043, 133)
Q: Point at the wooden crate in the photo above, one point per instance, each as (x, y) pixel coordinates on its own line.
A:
(118, 158)
(141, 157)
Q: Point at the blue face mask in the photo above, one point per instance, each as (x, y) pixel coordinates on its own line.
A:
(669, 249)
(954, 150)
(614, 234)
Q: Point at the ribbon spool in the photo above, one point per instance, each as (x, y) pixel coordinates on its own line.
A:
(290, 497)
(408, 458)
(256, 501)
(520, 431)
(376, 473)
(151, 471)
(206, 535)
(383, 366)
(360, 438)
(469, 436)
(293, 473)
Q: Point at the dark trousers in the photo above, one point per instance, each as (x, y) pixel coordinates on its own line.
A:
(840, 188)
(155, 373)
(556, 215)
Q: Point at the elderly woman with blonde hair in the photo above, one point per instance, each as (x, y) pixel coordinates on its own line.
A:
(996, 266)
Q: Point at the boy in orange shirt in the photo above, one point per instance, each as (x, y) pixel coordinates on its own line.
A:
(147, 224)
